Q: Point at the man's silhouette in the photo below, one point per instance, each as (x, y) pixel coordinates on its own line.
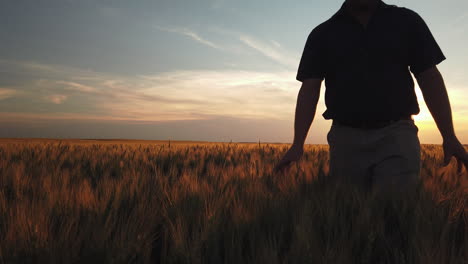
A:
(366, 53)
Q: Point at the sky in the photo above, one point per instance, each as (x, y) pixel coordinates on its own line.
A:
(211, 70)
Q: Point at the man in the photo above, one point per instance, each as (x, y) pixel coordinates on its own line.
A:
(366, 53)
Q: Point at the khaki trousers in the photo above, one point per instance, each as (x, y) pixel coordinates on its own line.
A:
(379, 159)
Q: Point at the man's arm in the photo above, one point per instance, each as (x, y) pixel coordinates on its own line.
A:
(306, 106)
(435, 95)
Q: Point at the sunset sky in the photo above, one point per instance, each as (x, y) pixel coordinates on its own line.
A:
(214, 70)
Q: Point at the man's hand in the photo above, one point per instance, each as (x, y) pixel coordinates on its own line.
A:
(435, 94)
(292, 155)
(453, 148)
(307, 100)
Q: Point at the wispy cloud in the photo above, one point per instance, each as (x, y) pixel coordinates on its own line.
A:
(176, 95)
(191, 34)
(77, 86)
(237, 93)
(276, 44)
(56, 98)
(37, 70)
(7, 93)
(125, 89)
(242, 43)
(181, 95)
(272, 51)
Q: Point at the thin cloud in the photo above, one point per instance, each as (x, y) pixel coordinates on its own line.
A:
(122, 90)
(175, 95)
(276, 44)
(186, 95)
(191, 34)
(198, 91)
(39, 70)
(237, 93)
(38, 117)
(77, 86)
(7, 93)
(63, 80)
(56, 98)
(271, 51)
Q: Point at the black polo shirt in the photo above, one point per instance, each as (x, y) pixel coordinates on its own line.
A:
(367, 70)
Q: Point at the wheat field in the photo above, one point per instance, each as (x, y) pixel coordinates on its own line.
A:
(90, 201)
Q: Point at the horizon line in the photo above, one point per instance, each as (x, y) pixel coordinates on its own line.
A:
(164, 140)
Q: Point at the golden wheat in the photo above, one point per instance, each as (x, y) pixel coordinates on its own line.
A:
(151, 202)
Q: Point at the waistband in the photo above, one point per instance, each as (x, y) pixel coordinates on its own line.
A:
(369, 124)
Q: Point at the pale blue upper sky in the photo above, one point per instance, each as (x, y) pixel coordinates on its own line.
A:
(167, 66)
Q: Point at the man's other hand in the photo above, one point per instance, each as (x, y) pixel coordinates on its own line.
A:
(292, 155)
(453, 148)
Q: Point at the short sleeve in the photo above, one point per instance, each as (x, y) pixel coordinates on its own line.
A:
(312, 60)
(424, 50)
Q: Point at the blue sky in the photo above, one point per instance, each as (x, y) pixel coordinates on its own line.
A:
(195, 70)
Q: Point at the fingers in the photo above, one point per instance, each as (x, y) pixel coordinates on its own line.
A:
(284, 170)
(461, 157)
(279, 166)
(282, 166)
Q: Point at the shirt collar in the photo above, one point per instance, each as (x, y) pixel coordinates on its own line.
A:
(342, 12)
